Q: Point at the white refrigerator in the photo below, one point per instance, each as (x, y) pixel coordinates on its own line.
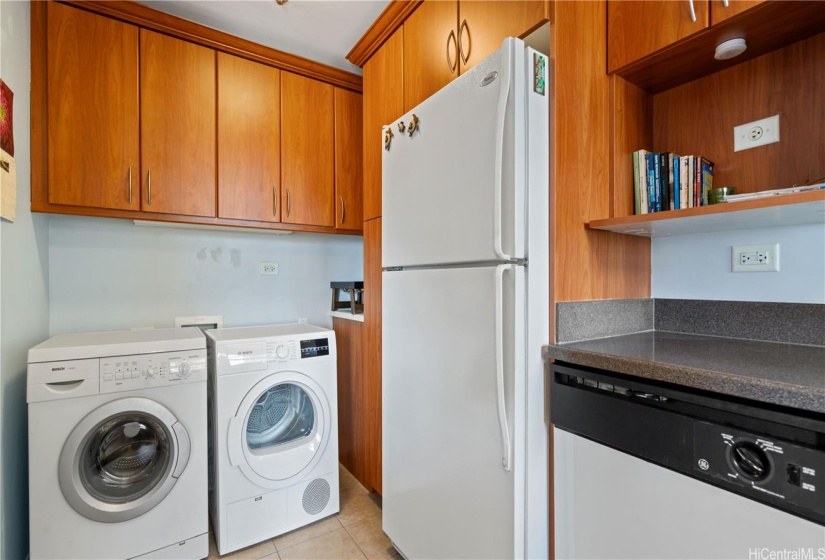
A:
(465, 256)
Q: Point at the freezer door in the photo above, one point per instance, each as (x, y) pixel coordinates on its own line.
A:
(451, 450)
(453, 182)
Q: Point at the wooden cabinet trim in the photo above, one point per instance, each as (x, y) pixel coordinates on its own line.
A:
(767, 27)
(391, 19)
(148, 18)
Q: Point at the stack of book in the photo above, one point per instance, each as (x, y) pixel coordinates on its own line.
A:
(666, 181)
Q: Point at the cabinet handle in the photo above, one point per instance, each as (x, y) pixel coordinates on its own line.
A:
(452, 66)
(725, 3)
(692, 11)
(130, 185)
(274, 202)
(464, 58)
(288, 206)
(343, 210)
(149, 201)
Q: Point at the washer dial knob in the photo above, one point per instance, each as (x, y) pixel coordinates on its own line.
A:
(282, 351)
(150, 372)
(184, 368)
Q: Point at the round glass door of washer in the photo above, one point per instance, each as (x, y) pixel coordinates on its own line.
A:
(118, 462)
(284, 428)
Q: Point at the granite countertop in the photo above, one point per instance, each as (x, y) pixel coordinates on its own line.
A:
(791, 375)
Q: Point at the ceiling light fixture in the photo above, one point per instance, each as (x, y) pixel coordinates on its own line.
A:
(730, 49)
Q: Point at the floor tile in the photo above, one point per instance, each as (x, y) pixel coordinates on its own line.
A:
(369, 537)
(337, 545)
(345, 478)
(357, 504)
(305, 533)
(254, 552)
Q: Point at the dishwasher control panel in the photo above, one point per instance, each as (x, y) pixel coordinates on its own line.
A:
(779, 472)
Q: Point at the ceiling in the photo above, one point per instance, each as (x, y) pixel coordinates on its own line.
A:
(321, 30)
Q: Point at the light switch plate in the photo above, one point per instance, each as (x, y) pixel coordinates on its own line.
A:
(756, 133)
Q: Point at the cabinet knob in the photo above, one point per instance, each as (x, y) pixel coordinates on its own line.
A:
(413, 125)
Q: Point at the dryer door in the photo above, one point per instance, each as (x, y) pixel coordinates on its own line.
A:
(280, 429)
(122, 459)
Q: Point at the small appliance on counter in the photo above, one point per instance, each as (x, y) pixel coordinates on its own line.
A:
(355, 291)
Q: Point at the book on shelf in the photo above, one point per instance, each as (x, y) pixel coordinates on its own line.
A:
(668, 181)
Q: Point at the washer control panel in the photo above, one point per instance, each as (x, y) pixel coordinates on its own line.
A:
(126, 373)
(777, 471)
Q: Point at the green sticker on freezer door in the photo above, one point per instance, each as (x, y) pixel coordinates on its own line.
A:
(539, 72)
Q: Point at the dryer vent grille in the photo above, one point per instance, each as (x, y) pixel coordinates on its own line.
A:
(316, 496)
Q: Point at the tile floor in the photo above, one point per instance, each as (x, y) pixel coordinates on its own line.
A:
(354, 533)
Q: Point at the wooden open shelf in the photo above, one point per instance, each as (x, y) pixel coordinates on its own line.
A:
(778, 210)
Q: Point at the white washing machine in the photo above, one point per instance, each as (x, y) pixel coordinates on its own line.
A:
(274, 431)
(118, 445)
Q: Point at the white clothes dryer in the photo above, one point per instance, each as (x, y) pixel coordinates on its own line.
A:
(274, 431)
(118, 445)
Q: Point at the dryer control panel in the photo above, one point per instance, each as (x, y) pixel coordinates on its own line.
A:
(126, 373)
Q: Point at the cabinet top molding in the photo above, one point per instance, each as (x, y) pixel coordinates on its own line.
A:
(142, 16)
(384, 25)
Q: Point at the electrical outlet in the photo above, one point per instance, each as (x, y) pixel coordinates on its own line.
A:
(302, 320)
(755, 258)
(269, 269)
(756, 133)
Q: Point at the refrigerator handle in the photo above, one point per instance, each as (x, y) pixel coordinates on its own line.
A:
(501, 113)
(502, 403)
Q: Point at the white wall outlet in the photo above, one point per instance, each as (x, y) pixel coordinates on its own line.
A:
(269, 269)
(755, 258)
(302, 320)
(756, 133)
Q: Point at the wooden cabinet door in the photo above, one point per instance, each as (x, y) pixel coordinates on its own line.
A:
(349, 161)
(249, 140)
(351, 406)
(431, 57)
(93, 127)
(307, 151)
(483, 25)
(383, 103)
(636, 29)
(177, 116)
(720, 10)
(372, 349)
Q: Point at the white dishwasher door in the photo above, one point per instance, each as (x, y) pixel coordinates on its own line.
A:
(610, 505)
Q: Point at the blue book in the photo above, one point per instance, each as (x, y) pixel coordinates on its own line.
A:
(651, 182)
(657, 180)
(676, 182)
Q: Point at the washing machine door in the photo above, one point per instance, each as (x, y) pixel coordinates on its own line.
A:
(122, 459)
(280, 430)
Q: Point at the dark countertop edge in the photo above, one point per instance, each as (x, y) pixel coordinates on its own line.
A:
(779, 393)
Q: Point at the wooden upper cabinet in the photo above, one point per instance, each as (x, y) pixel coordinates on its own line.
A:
(249, 140)
(636, 29)
(431, 57)
(384, 102)
(720, 10)
(307, 151)
(483, 25)
(177, 115)
(93, 127)
(349, 161)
